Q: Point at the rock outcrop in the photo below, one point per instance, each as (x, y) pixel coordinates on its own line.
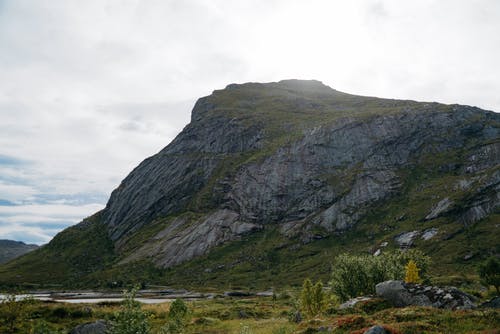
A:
(402, 294)
(440, 208)
(197, 239)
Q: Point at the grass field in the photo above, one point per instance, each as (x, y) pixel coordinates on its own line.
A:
(258, 315)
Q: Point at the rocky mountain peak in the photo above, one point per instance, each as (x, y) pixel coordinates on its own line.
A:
(294, 153)
(293, 162)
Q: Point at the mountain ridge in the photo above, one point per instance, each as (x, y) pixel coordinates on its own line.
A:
(11, 249)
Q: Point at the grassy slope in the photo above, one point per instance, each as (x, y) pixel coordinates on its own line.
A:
(75, 252)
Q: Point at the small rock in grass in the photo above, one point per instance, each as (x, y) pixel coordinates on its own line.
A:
(376, 330)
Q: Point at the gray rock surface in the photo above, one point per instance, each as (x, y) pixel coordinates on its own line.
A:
(376, 330)
(440, 208)
(401, 294)
(429, 233)
(97, 327)
(178, 242)
(492, 303)
(352, 302)
(406, 239)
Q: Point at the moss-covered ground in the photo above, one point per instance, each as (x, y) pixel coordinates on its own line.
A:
(263, 315)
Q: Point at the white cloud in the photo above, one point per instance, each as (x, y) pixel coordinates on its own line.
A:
(38, 223)
(15, 192)
(49, 210)
(89, 89)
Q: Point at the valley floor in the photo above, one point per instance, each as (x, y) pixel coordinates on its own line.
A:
(256, 315)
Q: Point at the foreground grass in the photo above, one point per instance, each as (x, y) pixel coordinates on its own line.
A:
(262, 315)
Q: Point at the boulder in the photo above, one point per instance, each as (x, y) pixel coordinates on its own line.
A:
(402, 294)
(376, 330)
(492, 303)
(352, 302)
(97, 327)
(405, 240)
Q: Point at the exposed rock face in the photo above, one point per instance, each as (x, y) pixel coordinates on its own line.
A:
(430, 233)
(289, 153)
(402, 294)
(165, 183)
(406, 239)
(197, 238)
(10, 249)
(439, 209)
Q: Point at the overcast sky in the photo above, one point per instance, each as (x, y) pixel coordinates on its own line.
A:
(88, 89)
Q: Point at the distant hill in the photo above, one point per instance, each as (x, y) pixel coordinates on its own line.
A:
(270, 181)
(10, 249)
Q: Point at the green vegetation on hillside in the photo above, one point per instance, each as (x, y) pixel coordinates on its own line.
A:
(73, 254)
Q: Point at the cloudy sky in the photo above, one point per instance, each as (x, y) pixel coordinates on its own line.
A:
(90, 88)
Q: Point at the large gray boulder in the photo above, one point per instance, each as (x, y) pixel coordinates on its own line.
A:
(97, 327)
(405, 294)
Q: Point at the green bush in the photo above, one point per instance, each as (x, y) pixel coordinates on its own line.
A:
(131, 319)
(14, 314)
(42, 327)
(354, 276)
(60, 312)
(312, 298)
(489, 272)
(178, 318)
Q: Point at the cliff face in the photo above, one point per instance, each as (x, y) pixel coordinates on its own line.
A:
(267, 173)
(302, 156)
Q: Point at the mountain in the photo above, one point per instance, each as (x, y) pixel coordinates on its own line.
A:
(269, 182)
(10, 249)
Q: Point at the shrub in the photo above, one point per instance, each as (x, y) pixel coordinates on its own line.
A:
(60, 312)
(178, 311)
(353, 276)
(411, 275)
(14, 313)
(42, 327)
(489, 272)
(178, 318)
(131, 319)
(312, 298)
(306, 296)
